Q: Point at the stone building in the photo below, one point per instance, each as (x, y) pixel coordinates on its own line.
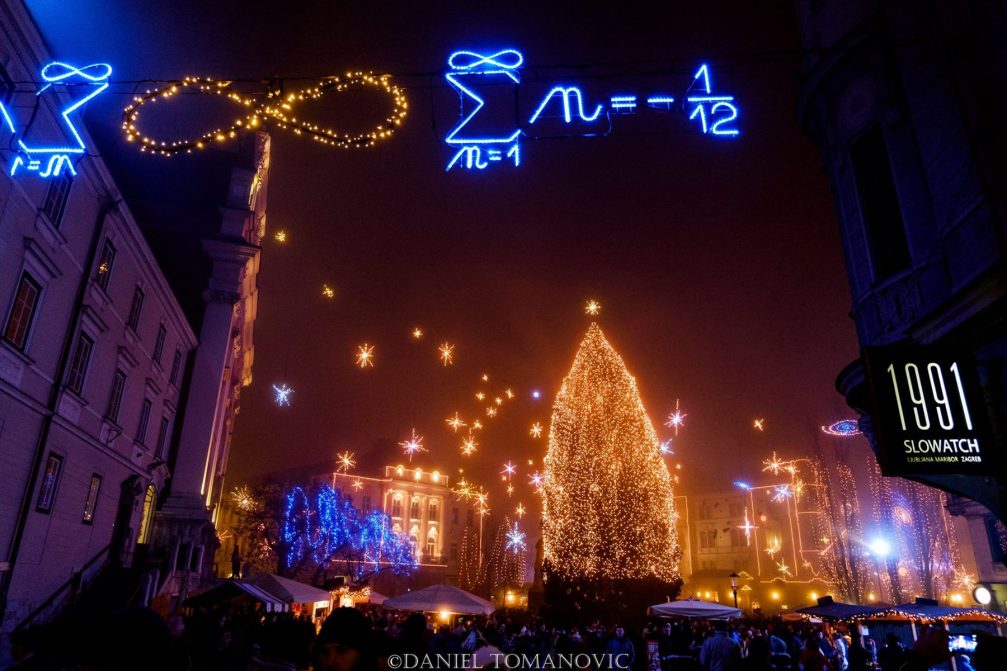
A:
(905, 102)
(125, 339)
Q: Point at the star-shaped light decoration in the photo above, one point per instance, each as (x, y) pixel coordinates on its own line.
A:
(328, 291)
(747, 527)
(676, 419)
(759, 424)
(469, 446)
(510, 489)
(365, 356)
(455, 422)
(491, 411)
(417, 333)
(782, 493)
(515, 540)
(666, 447)
(520, 511)
(536, 480)
(773, 547)
(446, 353)
(280, 236)
(773, 465)
(413, 445)
(480, 395)
(485, 377)
(592, 307)
(281, 395)
(536, 430)
(345, 462)
(509, 393)
(783, 568)
(476, 425)
(509, 469)
(358, 484)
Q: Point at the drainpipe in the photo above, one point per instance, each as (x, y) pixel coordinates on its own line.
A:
(24, 510)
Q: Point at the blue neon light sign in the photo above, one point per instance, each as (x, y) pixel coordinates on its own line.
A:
(49, 158)
(478, 140)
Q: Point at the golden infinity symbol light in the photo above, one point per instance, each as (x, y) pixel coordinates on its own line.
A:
(278, 110)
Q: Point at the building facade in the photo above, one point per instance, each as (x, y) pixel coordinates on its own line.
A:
(905, 102)
(769, 544)
(116, 402)
(421, 505)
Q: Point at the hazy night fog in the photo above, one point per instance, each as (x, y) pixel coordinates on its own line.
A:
(717, 262)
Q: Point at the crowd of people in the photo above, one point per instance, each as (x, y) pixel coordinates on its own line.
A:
(349, 639)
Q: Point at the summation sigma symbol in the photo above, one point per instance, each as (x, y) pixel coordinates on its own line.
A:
(48, 157)
(478, 141)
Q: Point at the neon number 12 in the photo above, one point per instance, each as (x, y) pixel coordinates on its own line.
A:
(716, 129)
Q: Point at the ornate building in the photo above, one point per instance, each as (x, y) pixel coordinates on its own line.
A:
(905, 102)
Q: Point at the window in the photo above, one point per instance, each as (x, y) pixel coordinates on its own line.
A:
(105, 262)
(56, 197)
(414, 510)
(432, 511)
(430, 548)
(159, 343)
(468, 517)
(22, 311)
(453, 549)
(162, 435)
(397, 508)
(78, 365)
(135, 309)
(91, 502)
(454, 517)
(175, 363)
(735, 538)
(997, 533)
(703, 543)
(879, 204)
(50, 481)
(141, 427)
(115, 396)
(147, 519)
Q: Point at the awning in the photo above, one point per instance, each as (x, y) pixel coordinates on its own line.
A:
(441, 598)
(287, 590)
(235, 590)
(706, 610)
(828, 609)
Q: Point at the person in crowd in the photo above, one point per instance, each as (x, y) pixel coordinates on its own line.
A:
(858, 657)
(929, 650)
(720, 652)
(620, 649)
(891, 656)
(344, 643)
(758, 656)
(840, 655)
(811, 658)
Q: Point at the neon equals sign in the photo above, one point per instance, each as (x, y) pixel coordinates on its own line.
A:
(660, 101)
(623, 104)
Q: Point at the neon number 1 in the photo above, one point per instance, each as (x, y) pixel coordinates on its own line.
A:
(898, 398)
(916, 394)
(961, 395)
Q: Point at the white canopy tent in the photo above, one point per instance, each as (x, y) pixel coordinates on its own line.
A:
(441, 598)
(695, 608)
(287, 590)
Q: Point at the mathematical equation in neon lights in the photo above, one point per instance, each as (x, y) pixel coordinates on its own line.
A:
(49, 157)
(479, 141)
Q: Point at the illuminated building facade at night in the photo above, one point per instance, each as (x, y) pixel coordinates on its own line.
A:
(119, 382)
(905, 103)
(420, 504)
(772, 550)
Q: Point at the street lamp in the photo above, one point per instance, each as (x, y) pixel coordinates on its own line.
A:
(734, 586)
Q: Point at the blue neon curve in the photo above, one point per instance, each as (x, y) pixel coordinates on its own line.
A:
(566, 92)
(479, 104)
(507, 59)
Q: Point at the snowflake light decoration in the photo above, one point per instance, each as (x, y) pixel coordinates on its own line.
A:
(281, 395)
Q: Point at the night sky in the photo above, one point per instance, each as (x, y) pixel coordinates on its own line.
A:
(718, 263)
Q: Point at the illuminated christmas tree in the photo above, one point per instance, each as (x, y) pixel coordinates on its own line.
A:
(609, 514)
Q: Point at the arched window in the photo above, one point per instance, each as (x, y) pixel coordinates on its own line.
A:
(147, 519)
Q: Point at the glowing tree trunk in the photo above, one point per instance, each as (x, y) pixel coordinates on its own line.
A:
(608, 507)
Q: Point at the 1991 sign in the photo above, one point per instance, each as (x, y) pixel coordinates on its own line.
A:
(929, 411)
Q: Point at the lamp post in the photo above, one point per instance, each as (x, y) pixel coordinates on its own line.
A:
(734, 586)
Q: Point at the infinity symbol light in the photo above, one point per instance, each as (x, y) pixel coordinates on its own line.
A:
(506, 59)
(58, 71)
(277, 110)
